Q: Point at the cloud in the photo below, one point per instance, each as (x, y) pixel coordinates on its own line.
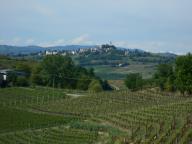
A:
(83, 39)
(2, 41)
(43, 10)
(53, 43)
(157, 46)
(13, 41)
(146, 45)
(59, 42)
(179, 47)
(16, 41)
(30, 41)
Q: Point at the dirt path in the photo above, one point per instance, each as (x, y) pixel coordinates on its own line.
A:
(115, 87)
(104, 122)
(74, 95)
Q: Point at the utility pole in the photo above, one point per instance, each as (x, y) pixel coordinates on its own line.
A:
(53, 86)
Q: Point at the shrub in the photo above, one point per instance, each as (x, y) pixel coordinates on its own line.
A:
(22, 81)
(134, 81)
(95, 86)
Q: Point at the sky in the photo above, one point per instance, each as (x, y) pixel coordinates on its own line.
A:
(151, 25)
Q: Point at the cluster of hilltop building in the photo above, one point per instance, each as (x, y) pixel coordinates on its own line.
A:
(95, 49)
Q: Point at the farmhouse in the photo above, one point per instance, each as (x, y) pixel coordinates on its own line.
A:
(3, 77)
(5, 74)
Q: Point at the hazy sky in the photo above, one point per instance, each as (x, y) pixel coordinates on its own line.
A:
(153, 25)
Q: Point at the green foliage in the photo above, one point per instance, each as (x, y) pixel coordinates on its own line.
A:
(22, 81)
(56, 69)
(164, 77)
(12, 63)
(82, 83)
(12, 79)
(14, 119)
(20, 70)
(170, 84)
(164, 70)
(15, 80)
(95, 86)
(148, 83)
(184, 73)
(106, 85)
(113, 56)
(176, 78)
(36, 77)
(60, 71)
(23, 67)
(134, 81)
(19, 96)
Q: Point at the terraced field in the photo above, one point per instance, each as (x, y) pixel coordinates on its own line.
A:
(45, 115)
(59, 135)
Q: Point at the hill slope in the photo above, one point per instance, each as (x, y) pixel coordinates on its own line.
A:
(15, 50)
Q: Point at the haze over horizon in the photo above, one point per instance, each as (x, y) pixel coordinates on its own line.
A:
(156, 26)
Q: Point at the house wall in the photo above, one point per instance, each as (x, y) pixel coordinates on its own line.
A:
(4, 77)
(1, 80)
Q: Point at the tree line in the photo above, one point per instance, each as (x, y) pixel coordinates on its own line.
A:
(59, 72)
(168, 77)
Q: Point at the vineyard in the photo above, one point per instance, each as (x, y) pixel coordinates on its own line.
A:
(44, 115)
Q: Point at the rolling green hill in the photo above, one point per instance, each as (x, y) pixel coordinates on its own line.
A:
(109, 62)
(114, 63)
(43, 115)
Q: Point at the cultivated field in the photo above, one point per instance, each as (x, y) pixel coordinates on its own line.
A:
(116, 73)
(53, 116)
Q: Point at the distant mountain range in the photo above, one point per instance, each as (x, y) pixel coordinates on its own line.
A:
(15, 50)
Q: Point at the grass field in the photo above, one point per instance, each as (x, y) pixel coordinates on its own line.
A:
(45, 115)
(115, 73)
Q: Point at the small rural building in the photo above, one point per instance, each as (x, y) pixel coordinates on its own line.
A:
(5, 73)
(3, 77)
